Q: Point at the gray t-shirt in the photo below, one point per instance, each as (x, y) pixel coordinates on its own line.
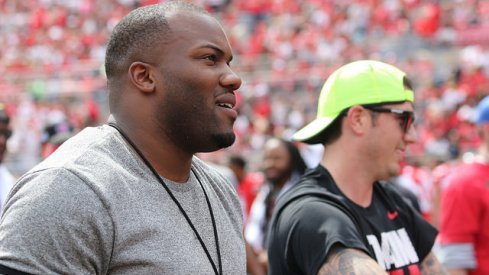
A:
(93, 207)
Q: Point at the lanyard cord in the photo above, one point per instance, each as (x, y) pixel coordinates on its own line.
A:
(162, 182)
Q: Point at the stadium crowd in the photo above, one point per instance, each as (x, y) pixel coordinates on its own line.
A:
(52, 79)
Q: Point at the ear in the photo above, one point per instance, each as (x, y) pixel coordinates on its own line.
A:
(357, 119)
(141, 76)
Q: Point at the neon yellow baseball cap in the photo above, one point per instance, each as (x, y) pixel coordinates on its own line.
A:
(358, 83)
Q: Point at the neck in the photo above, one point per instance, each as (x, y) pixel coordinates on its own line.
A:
(168, 160)
(350, 174)
(280, 183)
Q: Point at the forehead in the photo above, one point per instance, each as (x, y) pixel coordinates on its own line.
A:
(193, 30)
(275, 146)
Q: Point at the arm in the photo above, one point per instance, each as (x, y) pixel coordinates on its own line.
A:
(343, 260)
(253, 266)
(431, 265)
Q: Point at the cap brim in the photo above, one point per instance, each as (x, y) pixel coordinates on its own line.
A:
(311, 132)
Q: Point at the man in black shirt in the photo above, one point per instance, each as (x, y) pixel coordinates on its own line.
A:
(341, 218)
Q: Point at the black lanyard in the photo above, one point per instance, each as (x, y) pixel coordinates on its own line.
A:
(160, 180)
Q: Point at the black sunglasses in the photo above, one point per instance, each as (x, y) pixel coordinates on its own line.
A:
(407, 117)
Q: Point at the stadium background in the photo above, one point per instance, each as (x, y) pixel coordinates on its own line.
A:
(52, 80)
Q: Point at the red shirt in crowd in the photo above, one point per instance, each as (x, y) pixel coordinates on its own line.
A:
(465, 212)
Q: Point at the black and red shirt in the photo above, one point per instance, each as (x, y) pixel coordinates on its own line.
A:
(314, 215)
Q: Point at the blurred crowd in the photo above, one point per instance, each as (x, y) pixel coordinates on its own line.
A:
(52, 80)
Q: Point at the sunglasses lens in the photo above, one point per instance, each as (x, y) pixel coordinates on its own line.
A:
(406, 118)
(408, 121)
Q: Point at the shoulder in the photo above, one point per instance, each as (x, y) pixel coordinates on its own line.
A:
(389, 188)
(467, 180)
(92, 167)
(318, 219)
(303, 236)
(313, 181)
(312, 212)
(397, 192)
(92, 146)
(98, 156)
(307, 222)
(52, 188)
(312, 192)
(314, 187)
(467, 172)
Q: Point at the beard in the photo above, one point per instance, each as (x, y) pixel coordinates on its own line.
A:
(193, 134)
(184, 118)
(224, 140)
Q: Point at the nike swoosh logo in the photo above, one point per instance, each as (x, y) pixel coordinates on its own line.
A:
(392, 215)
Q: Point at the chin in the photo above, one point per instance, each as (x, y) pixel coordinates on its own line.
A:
(224, 140)
(394, 170)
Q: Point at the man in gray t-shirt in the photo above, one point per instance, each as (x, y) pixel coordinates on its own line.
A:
(130, 197)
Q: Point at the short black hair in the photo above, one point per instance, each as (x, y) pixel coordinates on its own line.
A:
(237, 160)
(137, 33)
(331, 133)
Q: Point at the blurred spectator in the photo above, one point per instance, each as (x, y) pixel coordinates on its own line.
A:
(282, 166)
(439, 175)
(55, 134)
(6, 178)
(464, 211)
(248, 182)
(417, 179)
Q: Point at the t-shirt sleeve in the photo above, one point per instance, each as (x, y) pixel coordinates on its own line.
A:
(55, 224)
(315, 227)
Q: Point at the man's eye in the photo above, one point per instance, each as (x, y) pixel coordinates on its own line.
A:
(212, 58)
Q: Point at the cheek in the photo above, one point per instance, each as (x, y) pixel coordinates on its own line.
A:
(280, 166)
(184, 95)
(390, 139)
